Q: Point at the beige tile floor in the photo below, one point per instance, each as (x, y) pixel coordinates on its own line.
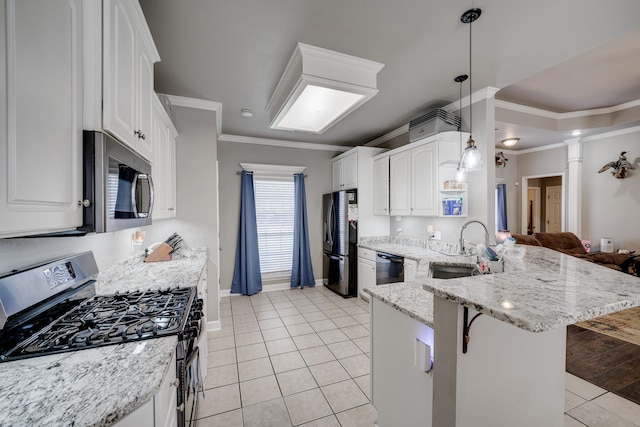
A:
(301, 358)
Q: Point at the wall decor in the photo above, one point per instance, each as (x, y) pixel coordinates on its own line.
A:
(620, 167)
(501, 160)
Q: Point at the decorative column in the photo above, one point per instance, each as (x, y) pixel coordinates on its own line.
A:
(574, 186)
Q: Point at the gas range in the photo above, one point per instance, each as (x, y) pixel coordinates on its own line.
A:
(75, 318)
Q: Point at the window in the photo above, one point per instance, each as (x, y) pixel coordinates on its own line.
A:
(274, 216)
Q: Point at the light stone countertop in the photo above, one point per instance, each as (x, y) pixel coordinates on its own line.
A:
(543, 291)
(97, 387)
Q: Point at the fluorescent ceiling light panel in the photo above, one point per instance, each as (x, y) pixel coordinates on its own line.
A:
(315, 107)
(319, 88)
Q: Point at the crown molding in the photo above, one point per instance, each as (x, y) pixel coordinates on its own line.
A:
(560, 116)
(281, 143)
(200, 104)
(611, 134)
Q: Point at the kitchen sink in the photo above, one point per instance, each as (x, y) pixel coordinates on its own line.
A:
(448, 271)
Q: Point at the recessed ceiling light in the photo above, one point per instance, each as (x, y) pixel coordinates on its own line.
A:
(246, 112)
(510, 142)
(576, 133)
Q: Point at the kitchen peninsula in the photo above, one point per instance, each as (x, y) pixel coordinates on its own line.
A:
(101, 386)
(513, 370)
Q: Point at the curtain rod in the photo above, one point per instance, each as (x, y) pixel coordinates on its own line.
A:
(240, 173)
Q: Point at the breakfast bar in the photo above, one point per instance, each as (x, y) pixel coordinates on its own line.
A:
(512, 370)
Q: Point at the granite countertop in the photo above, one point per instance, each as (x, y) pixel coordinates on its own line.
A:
(97, 387)
(545, 290)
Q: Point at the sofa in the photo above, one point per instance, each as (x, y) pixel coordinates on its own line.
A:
(570, 244)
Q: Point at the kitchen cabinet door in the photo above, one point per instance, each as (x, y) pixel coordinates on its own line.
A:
(41, 116)
(120, 72)
(336, 175)
(400, 183)
(410, 268)
(344, 172)
(144, 99)
(128, 58)
(350, 171)
(424, 171)
(381, 186)
(164, 163)
(366, 276)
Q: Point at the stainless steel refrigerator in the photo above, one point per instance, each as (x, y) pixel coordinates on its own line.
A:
(339, 263)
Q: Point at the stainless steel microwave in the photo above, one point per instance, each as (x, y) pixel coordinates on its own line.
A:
(118, 189)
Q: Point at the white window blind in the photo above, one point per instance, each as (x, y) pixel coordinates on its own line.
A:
(274, 216)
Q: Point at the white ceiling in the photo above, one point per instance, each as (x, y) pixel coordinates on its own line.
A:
(557, 55)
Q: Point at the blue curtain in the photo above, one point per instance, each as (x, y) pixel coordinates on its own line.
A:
(247, 279)
(301, 269)
(501, 207)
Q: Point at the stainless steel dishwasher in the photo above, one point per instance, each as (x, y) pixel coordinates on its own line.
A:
(389, 268)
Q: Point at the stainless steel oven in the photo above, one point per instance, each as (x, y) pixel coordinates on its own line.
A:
(389, 268)
(52, 307)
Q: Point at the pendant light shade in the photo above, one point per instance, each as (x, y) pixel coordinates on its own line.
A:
(471, 157)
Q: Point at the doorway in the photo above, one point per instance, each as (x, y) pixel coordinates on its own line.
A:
(533, 210)
(543, 205)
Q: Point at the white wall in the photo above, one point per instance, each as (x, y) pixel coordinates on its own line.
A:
(317, 183)
(610, 206)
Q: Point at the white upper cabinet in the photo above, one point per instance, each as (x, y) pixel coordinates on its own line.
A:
(423, 180)
(381, 186)
(421, 176)
(400, 183)
(41, 49)
(128, 57)
(164, 162)
(350, 171)
(344, 172)
(353, 169)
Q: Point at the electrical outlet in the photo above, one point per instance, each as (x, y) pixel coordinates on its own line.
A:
(437, 235)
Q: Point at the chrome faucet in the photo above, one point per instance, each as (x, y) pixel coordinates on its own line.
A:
(486, 234)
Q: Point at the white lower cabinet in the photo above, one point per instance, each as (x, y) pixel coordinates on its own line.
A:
(410, 268)
(161, 410)
(40, 121)
(366, 271)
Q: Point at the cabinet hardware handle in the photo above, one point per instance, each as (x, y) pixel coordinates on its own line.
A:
(85, 203)
(140, 134)
(175, 383)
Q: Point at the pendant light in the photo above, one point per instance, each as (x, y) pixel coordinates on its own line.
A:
(461, 174)
(471, 157)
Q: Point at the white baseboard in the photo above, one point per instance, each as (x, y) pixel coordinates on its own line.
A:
(267, 288)
(214, 325)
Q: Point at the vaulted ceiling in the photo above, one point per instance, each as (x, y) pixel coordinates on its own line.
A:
(559, 56)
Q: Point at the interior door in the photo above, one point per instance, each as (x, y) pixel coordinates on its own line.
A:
(554, 209)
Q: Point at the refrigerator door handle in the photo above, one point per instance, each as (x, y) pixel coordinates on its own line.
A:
(330, 222)
(335, 257)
